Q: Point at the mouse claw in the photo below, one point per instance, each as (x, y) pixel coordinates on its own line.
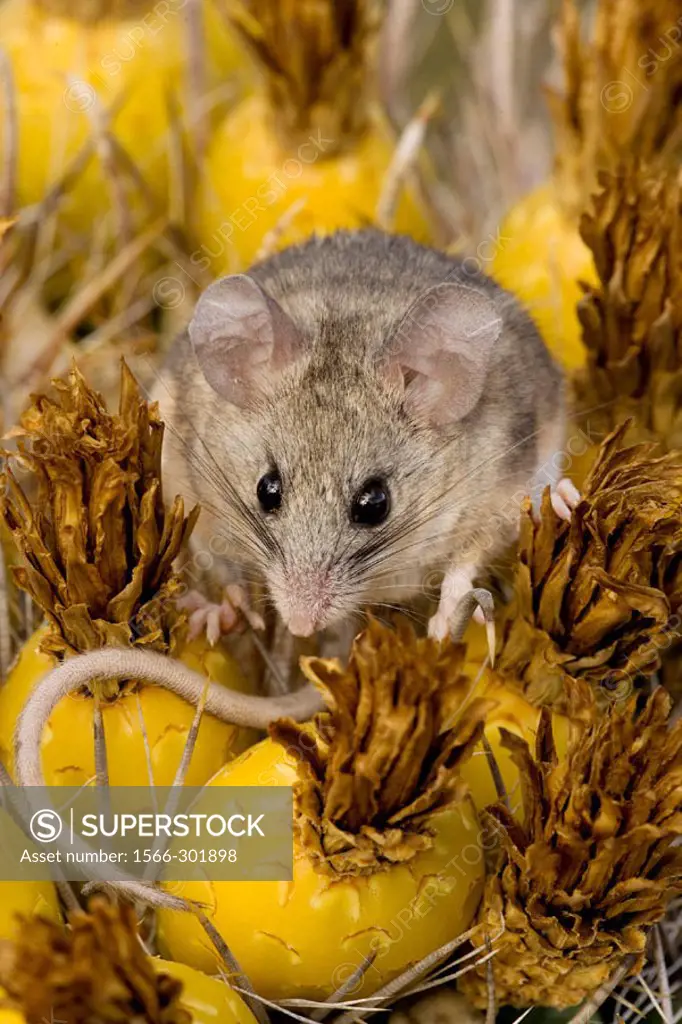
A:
(216, 620)
(459, 599)
(564, 498)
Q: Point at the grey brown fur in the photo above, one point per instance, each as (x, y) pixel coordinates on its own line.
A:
(332, 420)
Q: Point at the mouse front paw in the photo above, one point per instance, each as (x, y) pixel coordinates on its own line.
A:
(216, 620)
(457, 598)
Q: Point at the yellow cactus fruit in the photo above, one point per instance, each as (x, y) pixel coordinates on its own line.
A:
(208, 1000)
(542, 259)
(307, 152)
(618, 99)
(511, 713)
(98, 548)
(24, 899)
(388, 863)
(70, 61)
(590, 862)
(97, 970)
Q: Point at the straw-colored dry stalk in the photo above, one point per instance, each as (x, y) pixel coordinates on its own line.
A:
(591, 863)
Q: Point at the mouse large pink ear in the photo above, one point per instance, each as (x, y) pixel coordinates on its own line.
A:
(441, 351)
(242, 338)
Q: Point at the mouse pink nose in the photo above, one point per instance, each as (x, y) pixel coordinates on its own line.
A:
(301, 624)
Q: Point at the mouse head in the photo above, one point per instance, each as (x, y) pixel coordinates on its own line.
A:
(344, 463)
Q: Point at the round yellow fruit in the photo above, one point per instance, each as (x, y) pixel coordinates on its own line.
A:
(26, 899)
(209, 1000)
(515, 714)
(125, 56)
(252, 186)
(307, 937)
(541, 258)
(68, 745)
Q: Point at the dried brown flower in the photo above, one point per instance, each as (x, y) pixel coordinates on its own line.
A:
(594, 862)
(593, 597)
(632, 322)
(96, 970)
(621, 91)
(314, 57)
(96, 542)
(383, 759)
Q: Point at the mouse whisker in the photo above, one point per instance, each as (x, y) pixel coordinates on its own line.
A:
(216, 477)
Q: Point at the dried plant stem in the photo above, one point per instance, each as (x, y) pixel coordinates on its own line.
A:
(349, 985)
(145, 741)
(235, 971)
(500, 787)
(584, 1014)
(101, 768)
(77, 308)
(278, 1007)
(147, 666)
(8, 177)
(116, 326)
(192, 736)
(68, 896)
(276, 676)
(162, 841)
(491, 1011)
(446, 975)
(653, 1000)
(503, 85)
(271, 239)
(135, 890)
(409, 977)
(5, 628)
(404, 161)
(396, 55)
(100, 120)
(196, 77)
(662, 973)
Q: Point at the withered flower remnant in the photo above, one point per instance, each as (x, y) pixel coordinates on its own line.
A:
(591, 863)
(383, 759)
(632, 319)
(98, 545)
(619, 98)
(592, 597)
(313, 60)
(97, 970)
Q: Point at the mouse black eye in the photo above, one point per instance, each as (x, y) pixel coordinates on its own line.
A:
(371, 504)
(269, 491)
